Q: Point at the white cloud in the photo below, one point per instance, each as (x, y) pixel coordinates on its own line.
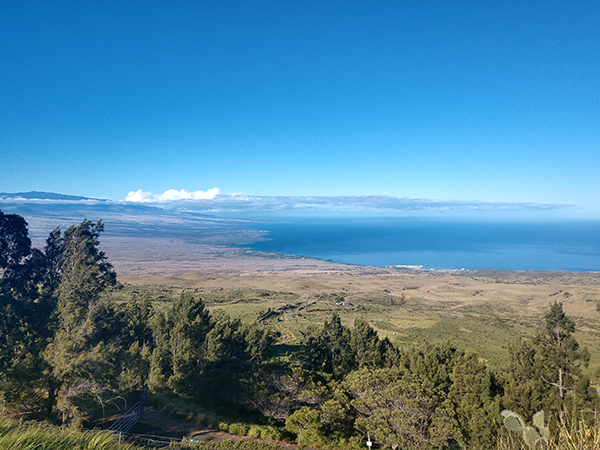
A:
(213, 201)
(140, 196)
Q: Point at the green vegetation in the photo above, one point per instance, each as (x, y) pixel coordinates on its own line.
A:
(33, 436)
(475, 312)
(534, 439)
(228, 445)
(283, 364)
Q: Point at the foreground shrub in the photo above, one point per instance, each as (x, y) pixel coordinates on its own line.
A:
(535, 439)
(255, 431)
(33, 436)
(579, 436)
(240, 429)
(228, 444)
(569, 435)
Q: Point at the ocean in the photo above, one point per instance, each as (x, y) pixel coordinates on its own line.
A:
(438, 244)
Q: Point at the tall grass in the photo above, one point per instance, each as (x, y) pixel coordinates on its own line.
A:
(37, 436)
(576, 435)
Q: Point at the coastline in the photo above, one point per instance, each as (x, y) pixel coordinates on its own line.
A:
(568, 245)
(164, 256)
(154, 241)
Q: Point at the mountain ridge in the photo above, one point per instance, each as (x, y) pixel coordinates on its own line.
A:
(42, 195)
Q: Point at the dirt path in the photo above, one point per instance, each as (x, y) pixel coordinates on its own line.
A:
(158, 423)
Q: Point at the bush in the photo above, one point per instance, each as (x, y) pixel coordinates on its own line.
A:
(270, 432)
(255, 431)
(178, 407)
(240, 429)
(229, 445)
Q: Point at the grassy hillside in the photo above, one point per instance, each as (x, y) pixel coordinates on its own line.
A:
(480, 310)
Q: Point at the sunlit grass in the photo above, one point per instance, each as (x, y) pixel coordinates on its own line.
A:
(576, 436)
(482, 311)
(37, 436)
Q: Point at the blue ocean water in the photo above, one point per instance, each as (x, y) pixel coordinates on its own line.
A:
(439, 244)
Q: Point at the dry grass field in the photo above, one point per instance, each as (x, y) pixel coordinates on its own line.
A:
(479, 310)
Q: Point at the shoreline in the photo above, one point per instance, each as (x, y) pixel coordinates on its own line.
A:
(163, 243)
(166, 256)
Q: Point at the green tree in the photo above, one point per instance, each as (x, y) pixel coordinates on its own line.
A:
(524, 389)
(304, 421)
(180, 352)
(432, 394)
(471, 398)
(233, 350)
(135, 341)
(544, 373)
(15, 248)
(78, 360)
(314, 355)
(365, 345)
(259, 342)
(559, 353)
(392, 407)
(336, 419)
(431, 367)
(26, 312)
(135, 316)
(328, 349)
(15, 245)
(226, 340)
(276, 388)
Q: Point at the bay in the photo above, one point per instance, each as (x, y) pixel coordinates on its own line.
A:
(438, 244)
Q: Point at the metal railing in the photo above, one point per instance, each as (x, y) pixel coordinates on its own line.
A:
(151, 441)
(124, 423)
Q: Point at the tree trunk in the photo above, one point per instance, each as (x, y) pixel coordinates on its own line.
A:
(51, 398)
(560, 383)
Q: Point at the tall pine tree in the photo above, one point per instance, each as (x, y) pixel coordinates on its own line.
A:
(78, 359)
(560, 356)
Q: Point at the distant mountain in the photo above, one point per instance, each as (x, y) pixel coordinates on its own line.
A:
(37, 195)
(43, 211)
(136, 236)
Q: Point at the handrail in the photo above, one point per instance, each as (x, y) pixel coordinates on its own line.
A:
(124, 423)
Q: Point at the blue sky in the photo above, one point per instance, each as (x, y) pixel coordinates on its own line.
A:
(491, 101)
